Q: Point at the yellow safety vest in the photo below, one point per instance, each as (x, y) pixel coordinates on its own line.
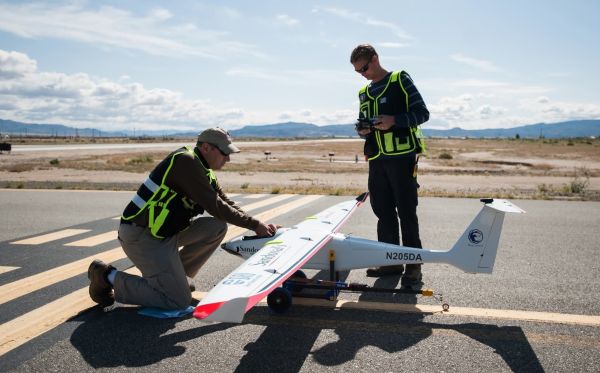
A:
(395, 141)
(168, 211)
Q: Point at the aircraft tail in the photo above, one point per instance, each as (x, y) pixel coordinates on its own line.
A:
(475, 251)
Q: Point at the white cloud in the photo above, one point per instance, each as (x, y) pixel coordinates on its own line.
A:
(293, 77)
(453, 109)
(392, 45)
(231, 13)
(160, 14)
(560, 110)
(15, 64)
(286, 20)
(471, 111)
(488, 87)
(155, 33)
(488, 111)
(474, 62)
(80, 100)
(367, 20)
(560, 74)
(480, 83)
(338, 117)
(543, 100)
(311, 116)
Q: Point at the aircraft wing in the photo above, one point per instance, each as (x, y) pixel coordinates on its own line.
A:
(277, 260)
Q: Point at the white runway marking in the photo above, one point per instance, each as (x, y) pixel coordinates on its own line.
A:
(38, 240)
(4, 269)
(95, 240)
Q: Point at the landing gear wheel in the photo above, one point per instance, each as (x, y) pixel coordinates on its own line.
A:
(298, 276)
(445, 307)
(280, 300)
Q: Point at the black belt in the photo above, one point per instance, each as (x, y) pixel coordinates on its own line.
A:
(129, 222)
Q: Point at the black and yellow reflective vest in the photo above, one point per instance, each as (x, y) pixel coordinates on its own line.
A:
(168, 211)
(391, 101)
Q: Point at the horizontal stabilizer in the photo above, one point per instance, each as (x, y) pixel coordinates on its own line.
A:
(503, 205)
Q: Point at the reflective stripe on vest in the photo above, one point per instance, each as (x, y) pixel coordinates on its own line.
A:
(151, 185)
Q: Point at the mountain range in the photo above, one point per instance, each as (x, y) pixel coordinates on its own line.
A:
(574, 128)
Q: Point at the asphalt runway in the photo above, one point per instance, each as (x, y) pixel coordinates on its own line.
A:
(538, 311)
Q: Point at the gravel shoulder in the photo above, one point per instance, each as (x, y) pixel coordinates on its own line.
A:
(473, 171)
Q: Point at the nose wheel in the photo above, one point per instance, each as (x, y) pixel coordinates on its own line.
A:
(279, 300)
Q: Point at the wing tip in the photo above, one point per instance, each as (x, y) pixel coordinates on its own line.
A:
(362, 197)
(231, 310)
(202, 311)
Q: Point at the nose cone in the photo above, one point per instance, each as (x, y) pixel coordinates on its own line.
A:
(231, 248)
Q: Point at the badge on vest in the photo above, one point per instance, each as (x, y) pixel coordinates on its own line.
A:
(383, 100)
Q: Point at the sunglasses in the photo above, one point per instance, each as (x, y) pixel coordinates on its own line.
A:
(364, 68)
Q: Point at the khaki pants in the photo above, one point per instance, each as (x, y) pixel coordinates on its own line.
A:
(164, 268)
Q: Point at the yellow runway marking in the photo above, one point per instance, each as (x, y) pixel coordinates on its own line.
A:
(32, 324)
(28, 326)
(30, 284)
(38, 240)
(549, 317)
(95, 240)
(546, 317)
(4, 269)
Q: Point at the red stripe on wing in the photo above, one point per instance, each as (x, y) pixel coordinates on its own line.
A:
(205, 310)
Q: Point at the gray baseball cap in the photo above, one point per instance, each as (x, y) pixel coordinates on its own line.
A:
(219, 138)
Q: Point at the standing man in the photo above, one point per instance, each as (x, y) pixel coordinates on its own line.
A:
(393, 108)
(161, 217)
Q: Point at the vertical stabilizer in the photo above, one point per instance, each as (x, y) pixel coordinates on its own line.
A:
(475, 251)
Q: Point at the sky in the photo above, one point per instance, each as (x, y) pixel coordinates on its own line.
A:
(187, 65)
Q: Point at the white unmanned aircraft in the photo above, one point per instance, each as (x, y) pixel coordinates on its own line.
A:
(315, 244)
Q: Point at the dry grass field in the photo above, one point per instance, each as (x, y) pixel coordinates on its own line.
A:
(510, 168)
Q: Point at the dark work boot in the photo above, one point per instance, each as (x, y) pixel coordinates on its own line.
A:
(395, 270)
(100, 289)
(412, 277)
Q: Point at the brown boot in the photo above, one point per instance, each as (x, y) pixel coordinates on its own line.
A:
(395, 270)
(100, 289)
(412, 277)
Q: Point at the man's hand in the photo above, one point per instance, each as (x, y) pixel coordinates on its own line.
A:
(364, 132)
(363, 126)
(384, 122)
(265, 230)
